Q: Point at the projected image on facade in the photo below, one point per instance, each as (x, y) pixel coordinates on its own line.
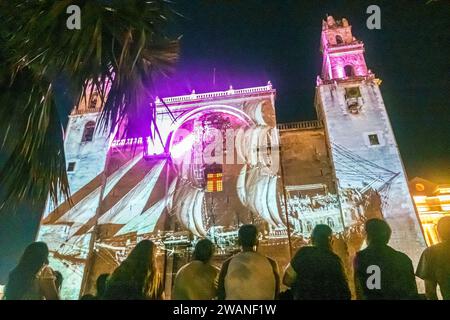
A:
(222, 161)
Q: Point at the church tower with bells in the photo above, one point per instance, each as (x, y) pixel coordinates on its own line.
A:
(365, 156)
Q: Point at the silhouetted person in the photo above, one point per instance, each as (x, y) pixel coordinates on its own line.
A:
(382, 273)
(101, 284)
(137, 277)
(315, 272)
(100, 287)
(434, 264)
(196, 280)
(248, 275)
(32, 278)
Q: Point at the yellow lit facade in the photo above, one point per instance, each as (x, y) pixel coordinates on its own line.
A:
(432, 202)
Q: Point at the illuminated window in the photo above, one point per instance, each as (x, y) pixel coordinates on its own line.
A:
(88, 132)
(352, 92)
(214, 182)
(71, 167)
(373, 139)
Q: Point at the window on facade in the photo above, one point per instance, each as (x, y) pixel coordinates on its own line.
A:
(373, 139)
(71, 167)
(93, 100)
(352, 92)
(88, 133)
(349, 71)
(339, 39)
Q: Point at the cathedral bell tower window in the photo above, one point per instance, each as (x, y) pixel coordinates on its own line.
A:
(349, 71)
(88, 132)
(353, 99)
(373, 140)
(71, 167)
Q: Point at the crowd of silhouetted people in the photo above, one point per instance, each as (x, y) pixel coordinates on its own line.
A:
(314, 273)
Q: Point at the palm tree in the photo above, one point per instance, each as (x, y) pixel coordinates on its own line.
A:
(121, 43)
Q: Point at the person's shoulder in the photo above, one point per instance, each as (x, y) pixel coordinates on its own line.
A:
(332, 257)
(209, 269)
(301, 254)
(46, 272)
(361, 254)
(183, 269)
(435, 250)
(227, 262)
(305, 250)
(363, 251)
(403, 257)
(438, 247)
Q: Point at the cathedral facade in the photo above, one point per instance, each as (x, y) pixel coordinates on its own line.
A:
(221, 161)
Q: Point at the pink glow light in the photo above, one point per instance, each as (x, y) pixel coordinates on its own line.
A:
(179, 149)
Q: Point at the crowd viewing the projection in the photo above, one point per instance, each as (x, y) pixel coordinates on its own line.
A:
(228, 204)
(314, 273)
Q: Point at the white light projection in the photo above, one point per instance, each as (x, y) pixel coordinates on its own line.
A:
(63, 229)
(165, 198)
(132, 204)
(145, 222)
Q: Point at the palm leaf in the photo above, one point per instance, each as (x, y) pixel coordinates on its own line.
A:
(120, 52)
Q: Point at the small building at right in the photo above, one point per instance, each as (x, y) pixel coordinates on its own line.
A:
(432, 201)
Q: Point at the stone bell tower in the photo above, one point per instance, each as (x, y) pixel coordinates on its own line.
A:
(365, 155)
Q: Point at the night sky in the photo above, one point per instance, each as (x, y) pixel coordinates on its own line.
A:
(249, 42)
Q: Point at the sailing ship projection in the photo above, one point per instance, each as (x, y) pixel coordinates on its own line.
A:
(220, 173)
(220, 168)
(363, 180)
(217, 164)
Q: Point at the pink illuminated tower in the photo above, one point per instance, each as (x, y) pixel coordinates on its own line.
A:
(364, 152)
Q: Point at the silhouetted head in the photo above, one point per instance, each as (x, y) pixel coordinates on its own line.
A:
(248, 236)
(204, 250)
(136, 277)
(101, 284)
(21, 277)
(59, 280)
(143, 252)
(321, 236)
(378, 232)
(443, 228)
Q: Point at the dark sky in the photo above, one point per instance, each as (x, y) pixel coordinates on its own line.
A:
(249, 42)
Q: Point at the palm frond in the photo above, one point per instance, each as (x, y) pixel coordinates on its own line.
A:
(120, 52)
(36, 163)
